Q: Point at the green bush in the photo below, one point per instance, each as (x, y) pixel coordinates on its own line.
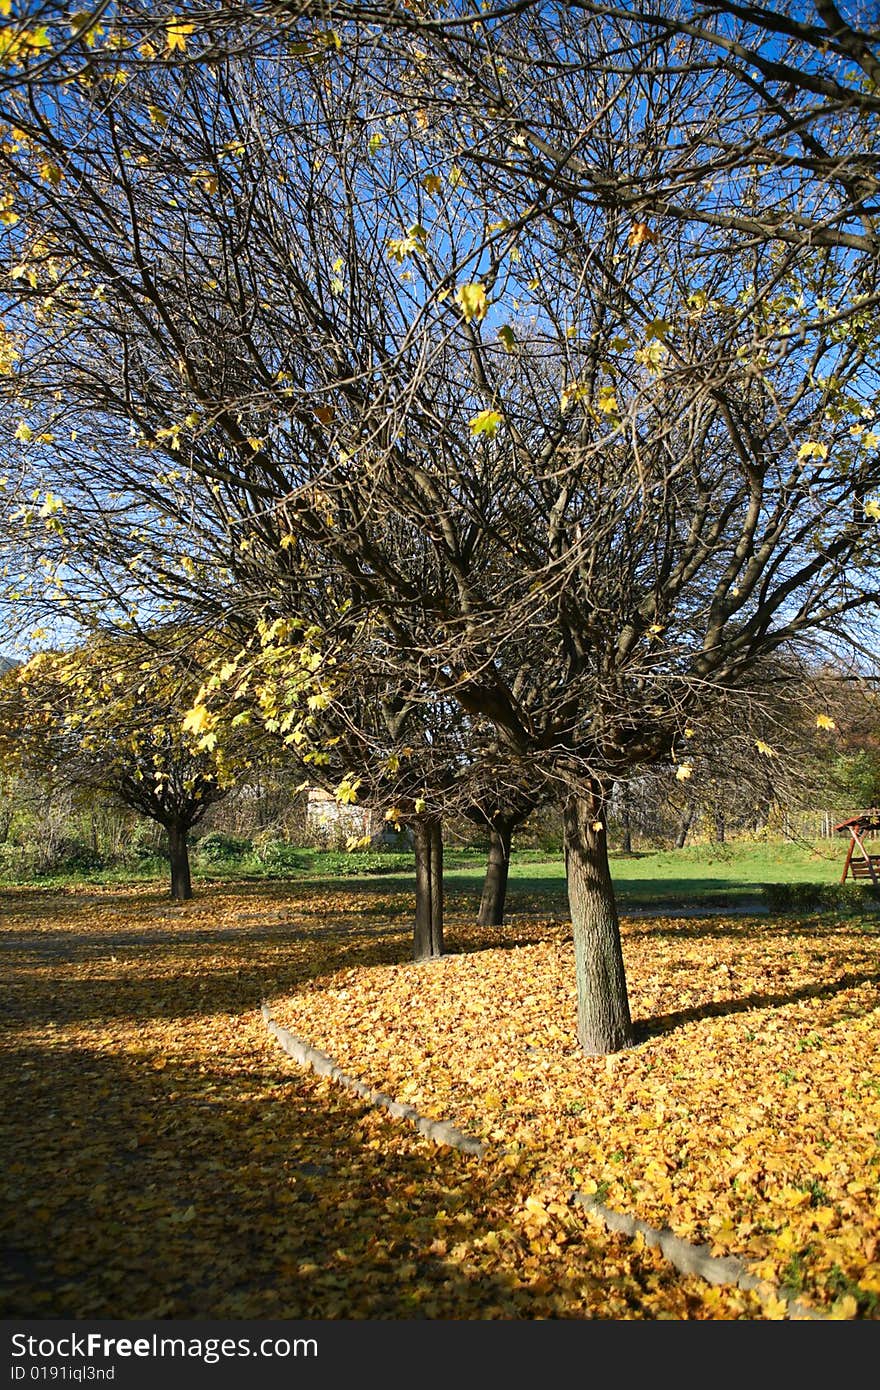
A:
(70, 856)
(76, 855)
(217, 848)
(146, 844)
(14, 862)
(278, 855)
(821, 897)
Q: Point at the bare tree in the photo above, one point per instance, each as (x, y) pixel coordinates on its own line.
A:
(502, 444)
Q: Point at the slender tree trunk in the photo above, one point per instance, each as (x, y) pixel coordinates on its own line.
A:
(684, 827)
(604, 1023)
(428, 932)
(491, 912)
(181, 880)
(625, 821)
(719, 827)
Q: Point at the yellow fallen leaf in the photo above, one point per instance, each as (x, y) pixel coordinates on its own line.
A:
(844, 1308)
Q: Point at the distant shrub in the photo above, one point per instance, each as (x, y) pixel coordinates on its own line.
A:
(14, 862)
(217, 848)
(68, 856)
(76, 855)
(821, 897)
(535, 856)
(278, 855)
(147, 843)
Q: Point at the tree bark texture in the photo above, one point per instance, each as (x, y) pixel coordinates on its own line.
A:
(178, 851)
(684, 828)
(627, 845)
(491, 912)
(428, 931)
(604, 1023)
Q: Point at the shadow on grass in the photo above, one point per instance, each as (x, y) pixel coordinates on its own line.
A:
(392, 893)
(716, 892)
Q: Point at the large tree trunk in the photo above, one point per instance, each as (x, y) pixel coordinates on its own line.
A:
(604, 1023)
(428, 931)
(491, 912)
(181, 881)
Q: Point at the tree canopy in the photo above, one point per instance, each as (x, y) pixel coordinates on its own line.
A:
(527, 365)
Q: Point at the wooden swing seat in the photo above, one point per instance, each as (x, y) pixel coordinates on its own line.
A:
(862, 865)
(862, 868)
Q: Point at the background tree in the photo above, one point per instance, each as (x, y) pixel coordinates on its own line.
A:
(107, 718)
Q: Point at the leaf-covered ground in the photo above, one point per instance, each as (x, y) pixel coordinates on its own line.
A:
(163, 1158)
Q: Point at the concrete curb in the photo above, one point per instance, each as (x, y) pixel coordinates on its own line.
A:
(440, 1131)
(695, 1259)
(681, 1254)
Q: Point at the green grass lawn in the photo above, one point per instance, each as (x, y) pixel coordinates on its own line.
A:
(699, 875)
(716, 875)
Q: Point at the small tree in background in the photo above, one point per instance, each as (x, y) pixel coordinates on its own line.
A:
(387, 746)
(107, 718)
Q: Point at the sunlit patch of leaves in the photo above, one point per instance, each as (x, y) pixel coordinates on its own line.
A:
(747, 1116)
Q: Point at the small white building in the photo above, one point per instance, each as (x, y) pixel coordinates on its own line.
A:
(330, 824)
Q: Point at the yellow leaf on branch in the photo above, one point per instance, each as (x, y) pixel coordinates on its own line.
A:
(346, 792)
(176, 35)
(487, 422)
(472, 301)
(196, 720)
(812, 450)
(640, 234)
